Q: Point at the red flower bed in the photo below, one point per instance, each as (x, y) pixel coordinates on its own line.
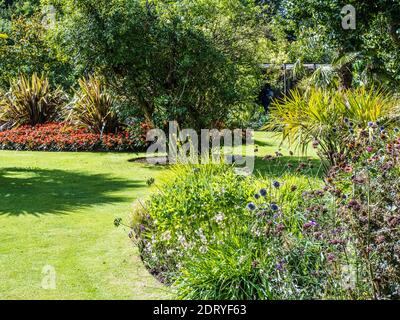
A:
(63, 137)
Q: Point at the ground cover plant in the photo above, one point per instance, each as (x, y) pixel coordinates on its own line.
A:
(64, 137)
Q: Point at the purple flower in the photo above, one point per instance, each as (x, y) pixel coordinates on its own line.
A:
(309, 225)
(279, 265)
(274, 207)
(257, 196)
(276, 184)
(251, 206)
(371, 124)
(263, 192)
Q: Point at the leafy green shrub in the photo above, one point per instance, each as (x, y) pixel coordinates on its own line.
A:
(94, 108)
(317, 117)
(31, 101)
(191, 61)
(24, 48)
(212, 235)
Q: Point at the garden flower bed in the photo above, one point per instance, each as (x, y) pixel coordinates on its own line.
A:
(64, 137)
(214, 235)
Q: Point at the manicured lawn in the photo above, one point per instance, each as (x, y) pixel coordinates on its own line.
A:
(58, 209)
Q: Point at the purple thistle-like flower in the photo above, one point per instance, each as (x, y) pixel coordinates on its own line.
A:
(276, 184)
(274, 207)
(251, 206)
(279, 266)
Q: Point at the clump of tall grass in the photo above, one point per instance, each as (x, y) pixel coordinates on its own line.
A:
(93, 107)
(317, 117)
(31, 101)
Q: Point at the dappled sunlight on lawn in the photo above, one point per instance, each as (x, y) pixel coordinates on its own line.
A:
(39, 191)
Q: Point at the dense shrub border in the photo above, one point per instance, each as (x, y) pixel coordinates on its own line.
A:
(293, 240)
(64, 137)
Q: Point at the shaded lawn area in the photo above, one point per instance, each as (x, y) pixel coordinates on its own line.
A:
(58, 209)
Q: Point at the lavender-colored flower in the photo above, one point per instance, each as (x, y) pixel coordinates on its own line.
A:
(309, 225)
(279, 265)
(276, 184)
(371, 124)
(274, 207)
(263, 192)
(251, 206)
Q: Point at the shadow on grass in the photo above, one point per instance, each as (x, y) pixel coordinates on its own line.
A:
(37, 191)
(263, 143)
(278, 166)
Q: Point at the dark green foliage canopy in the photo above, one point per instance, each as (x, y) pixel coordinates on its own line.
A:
(190, 61)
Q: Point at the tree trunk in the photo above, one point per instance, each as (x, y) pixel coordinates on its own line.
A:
(345, 76)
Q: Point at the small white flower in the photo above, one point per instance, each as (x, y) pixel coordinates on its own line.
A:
(166, 236)
(203, 249)
(219, 217)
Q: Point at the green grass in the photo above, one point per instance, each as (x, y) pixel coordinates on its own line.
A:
(58, 209)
